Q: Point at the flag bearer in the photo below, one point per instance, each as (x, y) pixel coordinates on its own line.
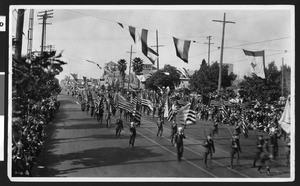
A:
(160, 128)
(179, 143)
(119, 128)
(173, 131)
(132, 131)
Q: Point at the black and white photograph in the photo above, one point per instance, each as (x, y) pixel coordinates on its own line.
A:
(117, 93)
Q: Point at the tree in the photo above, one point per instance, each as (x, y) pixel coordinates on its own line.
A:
(122, 66)
(166, 77)
(34, 80)
(137, 65)
(205, 80)
(264, 90)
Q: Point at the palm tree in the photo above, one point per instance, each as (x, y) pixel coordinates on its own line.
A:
(137, 66)
(122, 66)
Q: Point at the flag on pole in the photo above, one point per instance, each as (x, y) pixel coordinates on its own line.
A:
(191, 117)
(257, 61)
(166, 110)
(75, 76)
(183, 113)
(148, 52)
(182, 48)
(285, 120)
(183, 72)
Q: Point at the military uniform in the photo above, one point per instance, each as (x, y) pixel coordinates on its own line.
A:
(160, 127)
(119, 128)
(265, 157)
(173, 131)
(235, 149)
(259, 149)
(209, 148)
(132, 131)
(179, 143)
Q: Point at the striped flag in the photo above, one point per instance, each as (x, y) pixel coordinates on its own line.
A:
(111, 101)
(191, 116)
(182, 48)
(244, 126)
(224, 111)
(101, 105)
(183, 72)
(183, 113)
(122, 103)
(147, 103)
(136, 102)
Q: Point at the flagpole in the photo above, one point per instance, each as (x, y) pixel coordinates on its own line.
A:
(282, 77)
(129, 66)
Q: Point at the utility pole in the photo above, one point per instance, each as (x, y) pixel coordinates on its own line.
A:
(157, 47)
(44, 16)
(222, 48)
(209, 43)
(130, 65)
(19, 34)
(282, 79)
(30, 34)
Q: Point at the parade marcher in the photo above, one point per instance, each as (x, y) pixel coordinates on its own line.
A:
(108, 119)
(173, 131)
(215, 127)
(119, 128)
(179, 143)
(259, 149)
(235, 149)
(265, 157)
(160, 123)
(287, 150)
(209, 148)
(274, 144)
(132, 131)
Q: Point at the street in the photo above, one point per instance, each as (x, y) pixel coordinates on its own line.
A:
(78, 146)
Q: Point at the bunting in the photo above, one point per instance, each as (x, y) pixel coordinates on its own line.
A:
(257, 61)
(148, 52)
(182, 48)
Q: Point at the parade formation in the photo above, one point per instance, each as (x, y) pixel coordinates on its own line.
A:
(215, 124)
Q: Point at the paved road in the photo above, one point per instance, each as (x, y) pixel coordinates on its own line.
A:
(78, 146)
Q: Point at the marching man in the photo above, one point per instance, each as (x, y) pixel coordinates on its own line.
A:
(132, 131)
(179, 143)
(209, 148)
(235, 149)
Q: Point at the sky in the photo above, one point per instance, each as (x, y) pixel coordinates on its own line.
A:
(92, 33)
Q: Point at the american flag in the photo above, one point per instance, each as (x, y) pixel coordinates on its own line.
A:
(101, 105)
(122, 103)
(136, 103)
(191, 116)
(244, 126)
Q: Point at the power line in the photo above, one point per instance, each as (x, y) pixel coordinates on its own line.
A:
(258, 42)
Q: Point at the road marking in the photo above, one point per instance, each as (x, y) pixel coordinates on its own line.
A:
(176, 155)
(212, 160)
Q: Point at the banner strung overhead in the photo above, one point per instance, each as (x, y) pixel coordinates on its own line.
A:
(257, 61)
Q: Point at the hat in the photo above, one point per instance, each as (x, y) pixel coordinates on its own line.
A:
(180, 129)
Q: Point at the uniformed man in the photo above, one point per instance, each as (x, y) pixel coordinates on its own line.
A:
(235, 149)
(119, 128)
(265, 157)
(259, 149)
(160, 123)
(209, 148)
(132, 132)
(179, 143)
(173, 131)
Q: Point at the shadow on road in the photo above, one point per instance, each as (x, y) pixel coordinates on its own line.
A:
(105, 156)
